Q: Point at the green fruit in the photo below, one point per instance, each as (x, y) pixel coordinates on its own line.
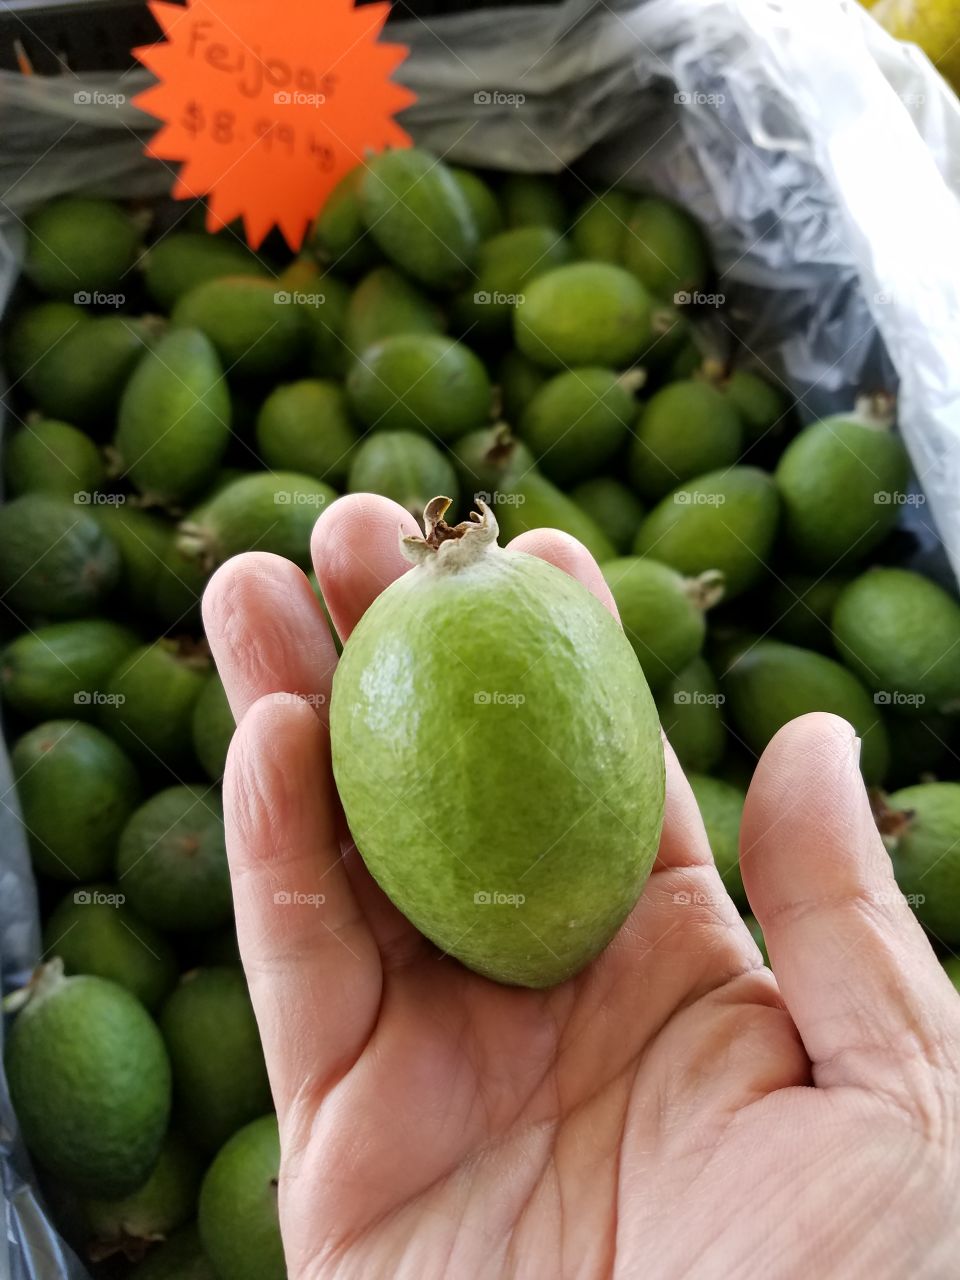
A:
(239, 1220)
(689, 708)
(840, 481)
(219, 1078)
(182, 261)
(405, 467)
(180, 583)
(600, 228)
(93, 931)
(664, 248)
(149, 701)
(586, 313)
(528, 500)
(76, 790)
(306, 427)
(179, 1258)
(483, 203)
(81, 379)
(724, 520)
(482, 458)
(685, 430)
(257, 329)
(800, 608)
(213, 727)
(78, 245)
(529, 200)
(172, 861)
(420, 382)
(89, 1081)
(505, 265)
(33, 332)
(519, 380)
(899, 632)
(721, 808)
(143, 540)
(53, 457)
(535, 671)
(174, 418)
(339, 236)
(761, 406)
(685, 363)
(663, 614)
(921, 828)
(385, 303)
(57, 670)
(265, 511)
(417, 213)
(323, 318)
(612, 507)
(55, 558)
(578, 420)
(769, 683)
(166, 1201)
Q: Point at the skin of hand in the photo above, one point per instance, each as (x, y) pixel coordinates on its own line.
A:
(673, 1111)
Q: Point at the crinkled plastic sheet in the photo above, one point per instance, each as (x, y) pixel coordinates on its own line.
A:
(822, 157)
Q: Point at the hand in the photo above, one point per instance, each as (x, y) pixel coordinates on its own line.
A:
(674, 1111)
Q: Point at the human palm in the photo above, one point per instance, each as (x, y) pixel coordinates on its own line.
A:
(673, 1111)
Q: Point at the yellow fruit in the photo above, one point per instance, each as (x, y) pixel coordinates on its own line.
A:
(932, 24)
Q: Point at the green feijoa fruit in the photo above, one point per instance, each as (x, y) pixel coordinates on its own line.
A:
(323, 316)
(181, 261)
(172, 861)
(181, 579)
(385, 303)
(47, 456)
(92, 930)
(689, 705)
(219, 1078)
(721, 808)
(506, 263)
(761, 406)
(584, 313)
(757, 934)
(662, 613)
(149, 700)
(77, 245)
(213, 727)
(306, 426)
(339, 236)
(420, 382)
(899, 632)
(613, 507)
(174, 418)
(54, 558)
(839, 482)
(239, 1220)
(58, 670)
(518, 379)
(769, 683)
(403, 466)
(143, 540)
(685, 363)
(532, 200)
(33, 332)
(557, 712)
(664, 248)
(486, 212)
(81, 379)
(417, 213)
(483, 458)
(685, 429)
(89, 1081)
(266, 511)
(76, 789)
(921, 828)
(167, 1200)
(600, 227)
(800, 608)
(257, 329)
(921, 747)
(527, 500)
(578, 420)
(724, 520)
(181, 1257)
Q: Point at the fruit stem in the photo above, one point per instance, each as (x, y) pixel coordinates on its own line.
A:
(713, 370)
(878, 409)
(44, 979)
(633, 380)
(891, 823)
(451, 546)
(708, 589)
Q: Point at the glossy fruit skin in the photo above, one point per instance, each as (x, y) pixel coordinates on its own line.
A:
(82, 377)
(519, 379)
(417, 213)
(76, 245)
(761, 405)
(483, 203)
(327, 354)
(483, 458)
(167, 1200)
(305, 426)
(839, 480)
(613, 507)
(532, 200)
(150, 700)
(52, 457)
(585, 313)
(76, 789)
(769, 683)
(238, 1219)
(403, 466)
(800, 608)
(505, 265)
(339, 237)
(659, 615)
(587, 706)
(53, 671)
(385, 303)
(90, 1084)
(898, 631)
(926, 856)
(32, 333)
(528, 500)
(256, 328)
(684, 430)
(599, 230)
(213, 727)
(577, 421)
(182, 261)
(143, 539)
(721, 807)
(689, 706)
(665, 248)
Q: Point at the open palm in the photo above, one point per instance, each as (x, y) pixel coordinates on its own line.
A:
(673, 1111)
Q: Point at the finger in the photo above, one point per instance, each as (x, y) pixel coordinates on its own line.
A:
(571, 556)
(855, 969)
(267, 632)
(311, 963)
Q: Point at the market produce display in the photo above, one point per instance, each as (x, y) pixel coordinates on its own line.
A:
(517, 351)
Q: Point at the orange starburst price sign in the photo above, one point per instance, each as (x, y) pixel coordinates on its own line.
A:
(266, 106)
